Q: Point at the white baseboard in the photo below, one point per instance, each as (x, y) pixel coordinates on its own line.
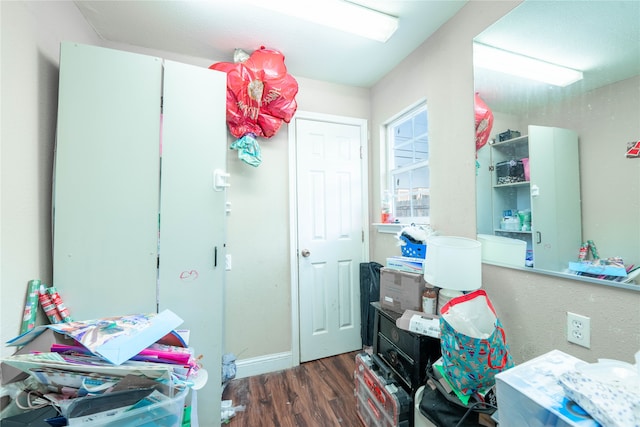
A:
(263, 364)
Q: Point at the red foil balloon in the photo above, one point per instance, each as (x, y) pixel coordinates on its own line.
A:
(260, 93)
(484, 122)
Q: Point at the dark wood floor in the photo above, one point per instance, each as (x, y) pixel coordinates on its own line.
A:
(314, 394)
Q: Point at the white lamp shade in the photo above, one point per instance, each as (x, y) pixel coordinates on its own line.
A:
(453, 263)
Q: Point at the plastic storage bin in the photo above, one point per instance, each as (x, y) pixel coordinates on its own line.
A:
(380, 402)
(165, 413)
(413, 250)
(529, 394)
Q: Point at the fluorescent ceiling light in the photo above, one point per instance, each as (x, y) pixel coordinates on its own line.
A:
(339, 14)
(490, 58)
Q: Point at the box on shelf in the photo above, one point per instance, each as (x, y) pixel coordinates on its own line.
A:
(509, 171)
(530, 394)
(508, 134)
(420, 323)
(408, 264)
(400, 290)
(503, 250)
(597, 268)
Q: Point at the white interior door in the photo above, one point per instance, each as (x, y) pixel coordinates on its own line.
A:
(331, 243)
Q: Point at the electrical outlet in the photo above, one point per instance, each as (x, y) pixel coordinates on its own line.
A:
(579, 329)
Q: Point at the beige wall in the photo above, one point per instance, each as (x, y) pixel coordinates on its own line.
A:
(531, 306)
(258, 297)
(258, 293)
(606, 119)
(30, 38)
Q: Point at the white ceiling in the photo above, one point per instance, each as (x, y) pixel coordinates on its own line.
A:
(601, 38)
(215, 28)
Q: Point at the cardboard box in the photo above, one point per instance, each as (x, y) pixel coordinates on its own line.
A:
(408, 264)
(530, 395)
(400, 290)
(420, 323)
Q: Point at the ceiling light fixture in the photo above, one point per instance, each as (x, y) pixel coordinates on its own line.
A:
(339, 14)
(491, 58)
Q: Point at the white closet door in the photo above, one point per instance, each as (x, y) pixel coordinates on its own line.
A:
(106, 181)
(192, 216)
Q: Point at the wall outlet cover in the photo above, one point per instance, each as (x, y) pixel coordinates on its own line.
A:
(579, 329)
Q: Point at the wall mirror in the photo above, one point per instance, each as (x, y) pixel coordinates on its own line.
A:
(601, 39)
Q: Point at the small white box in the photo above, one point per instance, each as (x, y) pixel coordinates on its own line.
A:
(529, 394)
(503, 250)
(408, 264)
(420, 323)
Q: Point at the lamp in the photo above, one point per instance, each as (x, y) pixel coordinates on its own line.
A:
(503, 61)
(339, 14)
(453, 263)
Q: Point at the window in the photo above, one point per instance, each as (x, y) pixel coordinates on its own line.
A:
(408, 165)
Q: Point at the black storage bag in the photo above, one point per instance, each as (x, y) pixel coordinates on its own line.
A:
(442, 412)
(369, 292)
(445, 409)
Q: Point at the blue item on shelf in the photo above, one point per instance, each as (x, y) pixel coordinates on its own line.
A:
(413, 250)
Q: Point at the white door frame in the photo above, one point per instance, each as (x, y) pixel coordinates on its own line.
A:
(293, 215)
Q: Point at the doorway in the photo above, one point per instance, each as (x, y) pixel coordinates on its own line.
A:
(329, 235)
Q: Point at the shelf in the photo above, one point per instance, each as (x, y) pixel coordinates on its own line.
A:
(512, 184)
(500, 230)
(392, 227)
(389, 227)
(513, 141)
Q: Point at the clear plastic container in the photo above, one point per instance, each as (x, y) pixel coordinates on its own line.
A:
(167, 412)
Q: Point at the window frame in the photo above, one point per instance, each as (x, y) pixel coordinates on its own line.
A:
(389, 169)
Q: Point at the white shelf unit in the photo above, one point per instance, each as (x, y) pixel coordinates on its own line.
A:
(552, 193)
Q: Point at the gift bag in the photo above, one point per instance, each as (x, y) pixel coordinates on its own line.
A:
(474, 347)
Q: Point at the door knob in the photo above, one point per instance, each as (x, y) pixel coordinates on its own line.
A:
(306, 252)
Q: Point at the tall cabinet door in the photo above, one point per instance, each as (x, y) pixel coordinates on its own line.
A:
(555, 196)
(192, 216)
(138, 225)
(105, 201)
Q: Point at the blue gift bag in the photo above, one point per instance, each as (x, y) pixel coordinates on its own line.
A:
(473, 343)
